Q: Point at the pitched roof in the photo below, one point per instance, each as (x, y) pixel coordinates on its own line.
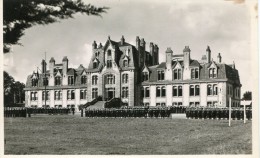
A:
(194, 63)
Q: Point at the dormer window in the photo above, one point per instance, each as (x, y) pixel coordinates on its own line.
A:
(125, 63)
(95, 65)
(177, 74)
(70, 80)
(194, 73)
(83, 79)
(57, 80)
(109, 53)
(160, 75)
(145, 76)
(109, 63)
(34, 82)
(212, 73)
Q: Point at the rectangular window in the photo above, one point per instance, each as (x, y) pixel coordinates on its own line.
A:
(163, 92)
(94, 93)
(160, 75)
(158, 92)
(125, 92)
(192, 73)
(175, 74)
(109, 63)
(192, 90)
(196, 73)
(197, 90)
(70, 80)
(147, 92)
(179, 74)
(174, 92)
(180, 91)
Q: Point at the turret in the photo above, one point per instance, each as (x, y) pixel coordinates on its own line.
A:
(219, 58)
(186, 53)
(65, 65)
(94, 45)
(208, 54)
(44, 66)
(122, 40)
(168, 56)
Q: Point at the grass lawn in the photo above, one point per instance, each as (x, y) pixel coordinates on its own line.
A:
(75, 135)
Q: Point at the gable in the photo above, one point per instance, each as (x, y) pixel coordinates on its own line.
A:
(177, 65)
(212, 65)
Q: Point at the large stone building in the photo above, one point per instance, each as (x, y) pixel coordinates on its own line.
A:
(133, 74)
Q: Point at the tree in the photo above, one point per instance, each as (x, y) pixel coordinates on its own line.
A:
(13, 90)
(19, 15)
(247, 95)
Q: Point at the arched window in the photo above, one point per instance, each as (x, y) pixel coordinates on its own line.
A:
(83, 94)
(94, 80)
(210, 73)
(174, 91)
(179, 91)
(147, 92)
(57, 80)
(163, 92)
(209, 90)
(191, 90)
(95, 64)
(215, 89)
(197, 90)
(125, 63)
(158, 91)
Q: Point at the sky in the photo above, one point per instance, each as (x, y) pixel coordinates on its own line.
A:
(222, 25)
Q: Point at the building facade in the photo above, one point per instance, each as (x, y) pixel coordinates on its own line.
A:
(133, 74)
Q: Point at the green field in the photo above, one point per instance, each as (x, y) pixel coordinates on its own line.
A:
(75, 135)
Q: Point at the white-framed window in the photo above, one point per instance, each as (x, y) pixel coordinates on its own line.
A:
(177, 74)
(70, 94)
(177, 91)
(124, 92)
(212, 73)
(57, 81)
(70, 80)
(94, 93)
(195, 73)
(34, 82)
(83, 94)
(34, 96)
(58, 95)
(160, 75)
(194, 90)
(160, 91)
(84, 79)
(125, 78)
(94, 79)
(110, 79)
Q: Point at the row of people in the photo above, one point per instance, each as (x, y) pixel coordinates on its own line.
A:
(125, 112)
(48, 110)
(15, 112)
(217, 113)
